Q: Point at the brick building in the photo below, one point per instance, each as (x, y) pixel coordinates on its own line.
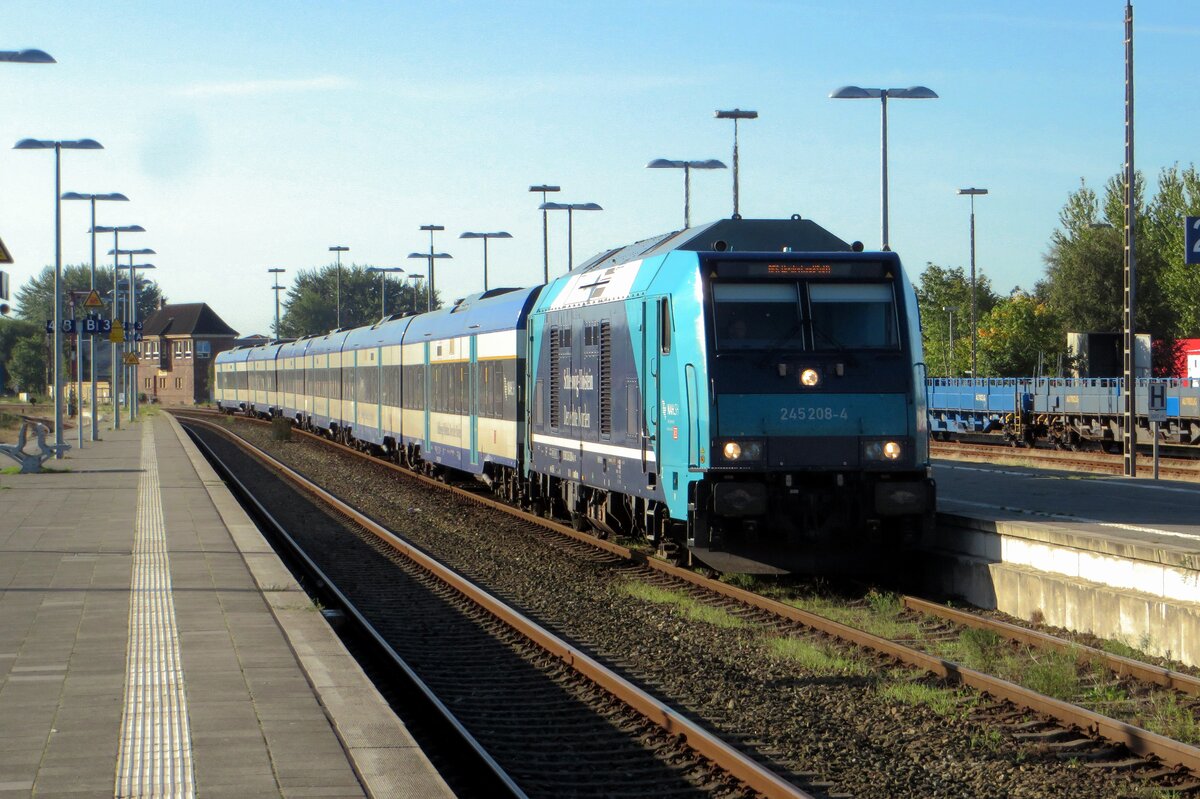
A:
(178, 345)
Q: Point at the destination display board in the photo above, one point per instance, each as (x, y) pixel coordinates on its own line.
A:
(808, 269)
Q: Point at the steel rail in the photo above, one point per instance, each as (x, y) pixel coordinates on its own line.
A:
(1100, 462)
(345, 602)
(1140, 741)
(724, 756)
(1121, 665)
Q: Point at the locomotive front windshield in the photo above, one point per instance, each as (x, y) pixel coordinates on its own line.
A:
(814, 316)
(752, 316)
(852, 315)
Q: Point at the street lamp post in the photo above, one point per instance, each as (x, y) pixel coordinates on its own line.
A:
(973, 193)
(339, 249)
(950, 309)
(570, 208)
(429, 258)
(383, 273)
(545, 231)
(859, 93)
(416, 279)
(687, 167)
(276, 288)
(735, 115)
(432, 229)
(131, 313)
(115, 196)
(58, 147)
(485, 236)
(116, 316)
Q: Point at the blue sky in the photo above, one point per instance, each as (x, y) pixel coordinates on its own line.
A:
(254, 135)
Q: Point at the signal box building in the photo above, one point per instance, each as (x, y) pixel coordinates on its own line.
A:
(176, 353)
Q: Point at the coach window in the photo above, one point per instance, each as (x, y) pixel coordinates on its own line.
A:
(853, 315)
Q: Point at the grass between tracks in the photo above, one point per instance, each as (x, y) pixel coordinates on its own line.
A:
(1071, 676)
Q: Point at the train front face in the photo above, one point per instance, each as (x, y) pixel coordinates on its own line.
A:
(819, 431)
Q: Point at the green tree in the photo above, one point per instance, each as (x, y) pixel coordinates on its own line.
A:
(27, 365)
(35, 298)
(942, 288)
(1178, 197)
(311, 309)
(1020, 336)
(1085, 267)
(13, 331)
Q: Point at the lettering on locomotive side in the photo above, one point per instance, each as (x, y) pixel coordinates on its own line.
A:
(670, 408)
(578, 380)
(817, 414)
(577, 417)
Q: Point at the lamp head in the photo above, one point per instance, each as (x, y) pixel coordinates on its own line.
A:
(736, 113)
(854, 93)
(27, 56)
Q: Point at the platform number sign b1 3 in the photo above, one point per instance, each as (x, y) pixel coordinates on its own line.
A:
(1191, 240)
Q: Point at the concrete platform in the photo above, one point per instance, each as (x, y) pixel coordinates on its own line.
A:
(152, 643)
(1116, 557)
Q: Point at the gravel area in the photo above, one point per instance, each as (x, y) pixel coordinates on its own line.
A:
(838, 715)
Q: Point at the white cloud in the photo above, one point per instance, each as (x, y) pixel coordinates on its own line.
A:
(247, 88)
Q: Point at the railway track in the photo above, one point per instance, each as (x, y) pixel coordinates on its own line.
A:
(1108, 742)
(550, 720)
(1094, 461)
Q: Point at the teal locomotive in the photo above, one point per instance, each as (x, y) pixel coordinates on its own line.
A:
(749, 393)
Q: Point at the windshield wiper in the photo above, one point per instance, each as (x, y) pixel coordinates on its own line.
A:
(817, 329)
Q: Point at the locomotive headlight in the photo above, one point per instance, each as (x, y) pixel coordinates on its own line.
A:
(742, 450)
(810, 377)
(882, 451)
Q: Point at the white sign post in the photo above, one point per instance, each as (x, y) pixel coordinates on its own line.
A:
(1157, 407)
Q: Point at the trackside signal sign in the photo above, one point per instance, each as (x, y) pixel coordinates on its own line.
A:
(1191, 240)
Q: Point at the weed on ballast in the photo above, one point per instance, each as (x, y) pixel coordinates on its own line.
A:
(689, 607)
(942, 701)
(817, 658)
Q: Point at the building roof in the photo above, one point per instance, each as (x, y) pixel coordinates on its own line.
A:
(186, 319)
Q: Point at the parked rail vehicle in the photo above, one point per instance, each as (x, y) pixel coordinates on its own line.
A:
(750, 392)
(1066, 413)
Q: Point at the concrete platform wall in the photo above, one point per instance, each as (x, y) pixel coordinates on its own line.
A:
(1145, 596)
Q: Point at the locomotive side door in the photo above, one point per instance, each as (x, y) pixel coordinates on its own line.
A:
(651, 363)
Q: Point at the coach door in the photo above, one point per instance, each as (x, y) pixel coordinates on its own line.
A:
(428, 389)
(473, 399)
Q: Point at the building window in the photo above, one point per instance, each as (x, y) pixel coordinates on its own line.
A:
(179, 382)
(149, 382)
(162, 382)
(183, 348)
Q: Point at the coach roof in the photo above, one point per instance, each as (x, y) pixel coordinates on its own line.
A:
(496, 309)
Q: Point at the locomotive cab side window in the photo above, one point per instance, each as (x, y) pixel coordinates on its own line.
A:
(853, 315)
